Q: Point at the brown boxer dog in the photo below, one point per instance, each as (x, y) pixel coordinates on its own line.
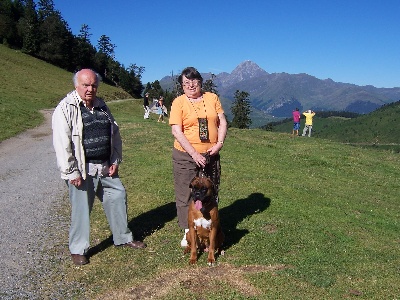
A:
(205, 233)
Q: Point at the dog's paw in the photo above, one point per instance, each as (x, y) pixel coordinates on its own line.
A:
(211, 263)
(211, 259)
(192, 261)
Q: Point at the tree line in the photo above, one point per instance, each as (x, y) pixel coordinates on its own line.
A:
(40, 30)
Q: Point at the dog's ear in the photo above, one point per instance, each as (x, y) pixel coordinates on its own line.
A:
(192, 182)
(211, 182)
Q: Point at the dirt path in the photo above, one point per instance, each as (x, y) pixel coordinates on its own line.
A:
(30, 189)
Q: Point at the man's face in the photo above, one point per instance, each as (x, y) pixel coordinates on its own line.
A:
(87, 85)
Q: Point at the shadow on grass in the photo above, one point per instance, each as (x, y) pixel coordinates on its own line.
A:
(233, 214)
(155, 219)
(142, 226)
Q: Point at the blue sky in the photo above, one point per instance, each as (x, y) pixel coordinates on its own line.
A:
(352, 41)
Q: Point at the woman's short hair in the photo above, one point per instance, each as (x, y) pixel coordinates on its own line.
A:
(190, 73)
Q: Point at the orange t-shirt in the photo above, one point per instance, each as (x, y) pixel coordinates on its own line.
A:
(186, 114)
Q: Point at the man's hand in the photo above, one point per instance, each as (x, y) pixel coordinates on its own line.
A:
(113, 170)
(76, 182)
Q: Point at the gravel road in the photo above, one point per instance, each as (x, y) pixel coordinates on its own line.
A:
(33, 241)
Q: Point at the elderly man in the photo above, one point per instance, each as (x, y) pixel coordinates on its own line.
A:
(88, 147)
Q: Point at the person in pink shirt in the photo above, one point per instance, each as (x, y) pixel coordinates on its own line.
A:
(296, 121)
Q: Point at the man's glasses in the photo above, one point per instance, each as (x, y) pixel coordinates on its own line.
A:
(194, 82)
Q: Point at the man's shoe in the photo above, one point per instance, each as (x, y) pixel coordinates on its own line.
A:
(79, 259)
(134, 245)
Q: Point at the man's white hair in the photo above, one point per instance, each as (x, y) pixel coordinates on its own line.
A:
(75, 77)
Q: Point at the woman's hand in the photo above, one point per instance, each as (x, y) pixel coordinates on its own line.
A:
(215, 149)
(199, 159)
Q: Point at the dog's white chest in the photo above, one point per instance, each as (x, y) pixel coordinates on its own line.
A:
(201, 222)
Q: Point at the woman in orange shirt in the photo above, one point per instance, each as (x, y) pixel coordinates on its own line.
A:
(199, 126)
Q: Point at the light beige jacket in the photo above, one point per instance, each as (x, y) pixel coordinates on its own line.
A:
(67, 128)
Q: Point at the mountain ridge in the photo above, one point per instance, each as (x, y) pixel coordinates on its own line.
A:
(277, 94)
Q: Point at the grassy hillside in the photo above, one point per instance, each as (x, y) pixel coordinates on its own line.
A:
(378, 129)
(28, 85)
(303, 219)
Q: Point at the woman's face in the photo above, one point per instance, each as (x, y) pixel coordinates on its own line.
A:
(191, 87)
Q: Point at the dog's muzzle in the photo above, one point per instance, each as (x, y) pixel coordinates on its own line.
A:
(200, 194)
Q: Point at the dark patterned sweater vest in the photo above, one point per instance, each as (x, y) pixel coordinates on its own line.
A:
(96, 135)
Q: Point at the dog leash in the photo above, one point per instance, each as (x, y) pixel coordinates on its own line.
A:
(201, 172)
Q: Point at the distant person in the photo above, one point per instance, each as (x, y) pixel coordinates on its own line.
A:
(88, 148)
(296, 121)
(309, 114)
(199, 127)
(146, 106)
(160, 109)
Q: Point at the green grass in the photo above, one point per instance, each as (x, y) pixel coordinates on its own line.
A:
(303, 218)
(377, 129)
(29, 85)
(323, 215)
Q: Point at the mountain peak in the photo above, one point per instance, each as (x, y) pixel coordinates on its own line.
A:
(247, 70)
(248, 64)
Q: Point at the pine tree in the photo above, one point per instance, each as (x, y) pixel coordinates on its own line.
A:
(209, 85)
(104, 57)
(28, 29)
(56, 39)
(130, 80)
(177, 89)
(83, 51)
(10, 13)
(241, 110)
